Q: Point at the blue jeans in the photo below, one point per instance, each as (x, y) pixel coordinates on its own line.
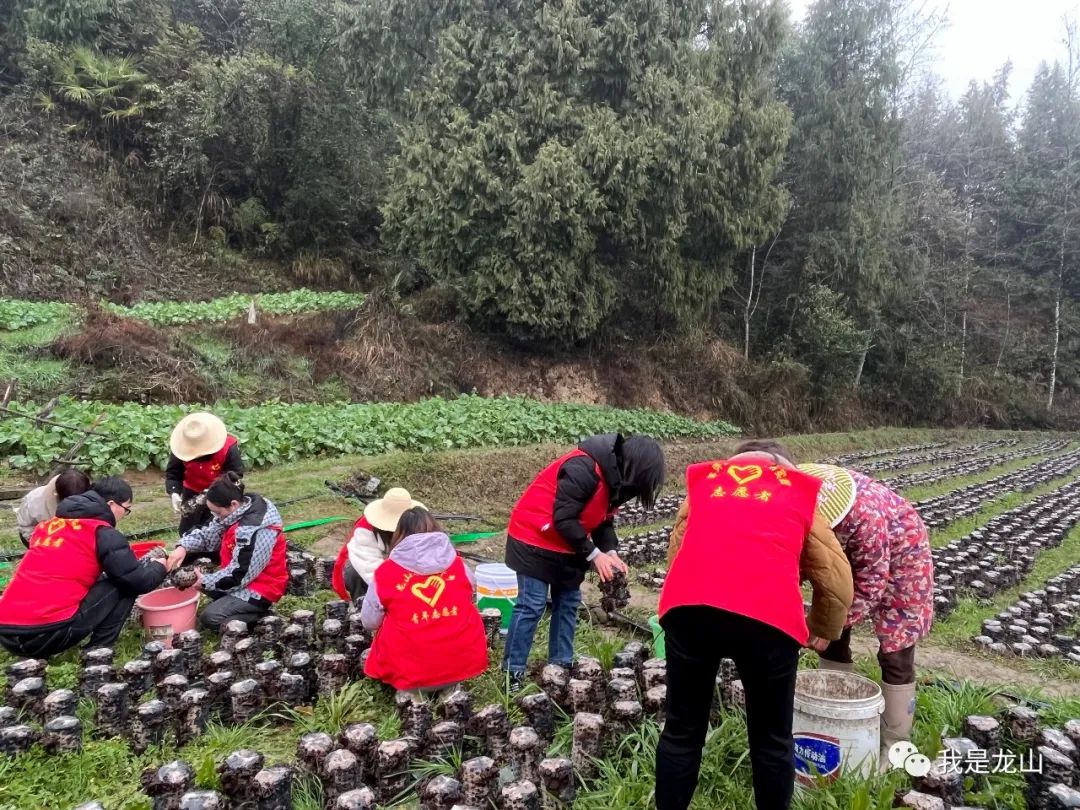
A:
(531, 600)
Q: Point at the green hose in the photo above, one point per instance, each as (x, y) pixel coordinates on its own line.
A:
(311, 524)
(473, 537)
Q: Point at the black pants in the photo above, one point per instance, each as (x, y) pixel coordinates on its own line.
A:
(354, 583)
(101, 616)
(897, 668)
(696, 639)
(226, 608)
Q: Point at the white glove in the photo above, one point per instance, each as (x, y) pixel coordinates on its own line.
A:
(176, 501)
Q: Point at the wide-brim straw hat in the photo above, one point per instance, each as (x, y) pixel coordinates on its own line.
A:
(197, 435)
(837, 494)
(385, 512)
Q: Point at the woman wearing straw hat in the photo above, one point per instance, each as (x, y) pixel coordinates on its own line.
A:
(369, 544)
(201, 450)
(893, 571)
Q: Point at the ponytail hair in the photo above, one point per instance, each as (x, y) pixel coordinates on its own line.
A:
(226, 488)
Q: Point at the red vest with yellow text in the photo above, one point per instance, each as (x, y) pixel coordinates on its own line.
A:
(432, 634)
(744, 538)
(273, 581)
(199, 475)
(55, 575)
(338, 580)
(532, 521)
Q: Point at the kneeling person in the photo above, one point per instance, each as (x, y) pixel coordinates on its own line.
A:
(369, 544)
(40, 504)
(78, 579)
(246, 531)
(428, 631)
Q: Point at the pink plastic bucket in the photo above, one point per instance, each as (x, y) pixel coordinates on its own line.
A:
(168, 611)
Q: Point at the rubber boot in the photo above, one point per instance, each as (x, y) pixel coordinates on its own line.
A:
(836, 666)
(897, 718)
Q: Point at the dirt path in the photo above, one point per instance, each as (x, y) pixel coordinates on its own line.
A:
(962, 665)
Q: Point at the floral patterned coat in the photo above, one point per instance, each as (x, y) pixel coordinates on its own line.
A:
(889, 550)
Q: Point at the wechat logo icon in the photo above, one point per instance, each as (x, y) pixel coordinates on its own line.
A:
(904, 755)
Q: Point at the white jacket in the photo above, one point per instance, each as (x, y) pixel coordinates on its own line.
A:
(366, 553)
(37, 505)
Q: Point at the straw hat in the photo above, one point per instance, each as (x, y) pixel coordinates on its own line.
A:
(837, 494)
(197, 435)
(385, 512)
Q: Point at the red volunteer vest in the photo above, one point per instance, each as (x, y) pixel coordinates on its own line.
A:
(532, 521)
(338, 580)
(743, 541)
(272, 583)
(199, 475)
(55, 574)
(432, 634)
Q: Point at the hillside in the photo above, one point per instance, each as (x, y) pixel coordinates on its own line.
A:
(75, 225)
(193, 200)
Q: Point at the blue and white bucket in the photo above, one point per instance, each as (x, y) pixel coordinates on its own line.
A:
(836, 725)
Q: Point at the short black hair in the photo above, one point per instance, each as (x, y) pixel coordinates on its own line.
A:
(71, 482)
(768, 446)
(226, 488)
(115, 489)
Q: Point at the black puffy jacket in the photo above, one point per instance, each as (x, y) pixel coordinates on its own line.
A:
(577, 483)
(117, 560)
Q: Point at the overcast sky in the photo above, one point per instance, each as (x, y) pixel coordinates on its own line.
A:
(982, 34)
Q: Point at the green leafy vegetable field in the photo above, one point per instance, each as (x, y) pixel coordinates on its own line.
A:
(16, 314)
(136, 436)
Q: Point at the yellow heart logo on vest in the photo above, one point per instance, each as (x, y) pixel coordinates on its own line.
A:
(744, 475)
(430, 590)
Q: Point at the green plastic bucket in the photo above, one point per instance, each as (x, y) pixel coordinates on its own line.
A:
(657, 637)
(497, 587)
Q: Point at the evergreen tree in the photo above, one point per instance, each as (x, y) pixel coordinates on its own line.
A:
(958, 159)
(1046, 196)
(568, 159)
(841, 79)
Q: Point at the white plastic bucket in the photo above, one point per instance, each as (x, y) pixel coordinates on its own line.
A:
(836, 725)
(497, 587)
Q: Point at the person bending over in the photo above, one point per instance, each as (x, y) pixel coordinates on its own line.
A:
(40, 503)
(745, 537)
(200, 450)
(562, 525)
